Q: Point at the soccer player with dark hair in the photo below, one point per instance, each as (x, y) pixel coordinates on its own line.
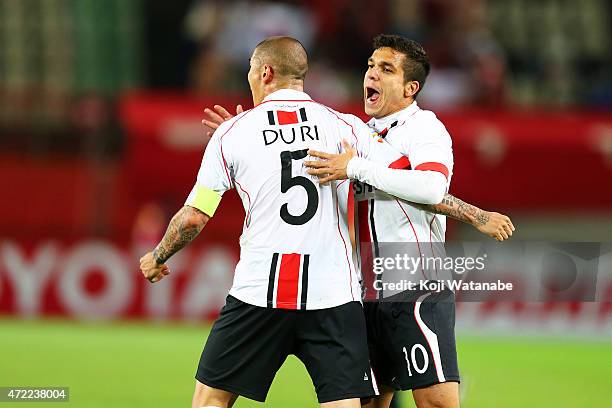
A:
(411, 338)
(296, 289)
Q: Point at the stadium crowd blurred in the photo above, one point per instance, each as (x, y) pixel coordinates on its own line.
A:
(483, 52)
(63, 62)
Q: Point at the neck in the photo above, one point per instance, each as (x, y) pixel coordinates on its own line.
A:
(405, 103)
(294, 85)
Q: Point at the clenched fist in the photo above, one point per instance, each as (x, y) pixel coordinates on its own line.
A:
(151, 270)
(493, 224)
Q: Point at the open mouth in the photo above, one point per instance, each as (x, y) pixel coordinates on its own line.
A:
(372, 95)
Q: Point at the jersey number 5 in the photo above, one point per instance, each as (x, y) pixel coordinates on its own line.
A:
(287, 182)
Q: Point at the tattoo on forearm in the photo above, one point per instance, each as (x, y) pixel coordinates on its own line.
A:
(181, 231)
(456, 208)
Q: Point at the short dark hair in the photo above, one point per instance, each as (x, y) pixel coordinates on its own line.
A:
(416, 62)
(286, 55)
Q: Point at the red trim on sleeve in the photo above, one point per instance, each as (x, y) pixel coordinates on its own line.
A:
(288, 278)
(402, 164)
(433, 166)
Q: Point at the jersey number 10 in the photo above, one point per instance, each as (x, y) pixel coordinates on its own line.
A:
(287, 182)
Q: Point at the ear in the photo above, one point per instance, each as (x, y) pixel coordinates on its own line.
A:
(268, 74)
(411, 88)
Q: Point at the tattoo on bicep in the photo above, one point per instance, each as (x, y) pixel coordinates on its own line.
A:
(181, 231)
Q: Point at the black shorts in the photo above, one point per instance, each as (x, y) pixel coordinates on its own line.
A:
(248, 344)
(412, 344)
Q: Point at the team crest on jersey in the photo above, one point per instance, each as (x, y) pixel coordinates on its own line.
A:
(376, 136)
(383, 133)
(279, 117)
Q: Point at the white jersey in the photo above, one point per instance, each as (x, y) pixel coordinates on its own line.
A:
(295, 249)
(424, 144)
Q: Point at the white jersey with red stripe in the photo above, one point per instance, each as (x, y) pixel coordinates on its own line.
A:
(424, 144)
(295, 249)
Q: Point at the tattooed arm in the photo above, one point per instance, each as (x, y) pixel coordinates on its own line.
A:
(183, 228)
(493, 224)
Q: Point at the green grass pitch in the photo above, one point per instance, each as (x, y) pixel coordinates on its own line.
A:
(152, 365)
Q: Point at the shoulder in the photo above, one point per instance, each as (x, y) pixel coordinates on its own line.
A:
(233, 122)
(425, 118)
(353, 121)
(229, 127)
(425, 125)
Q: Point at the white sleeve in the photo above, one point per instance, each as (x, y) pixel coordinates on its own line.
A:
(431, 147)
(429, 151)
(214, 178)
(418, 186)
